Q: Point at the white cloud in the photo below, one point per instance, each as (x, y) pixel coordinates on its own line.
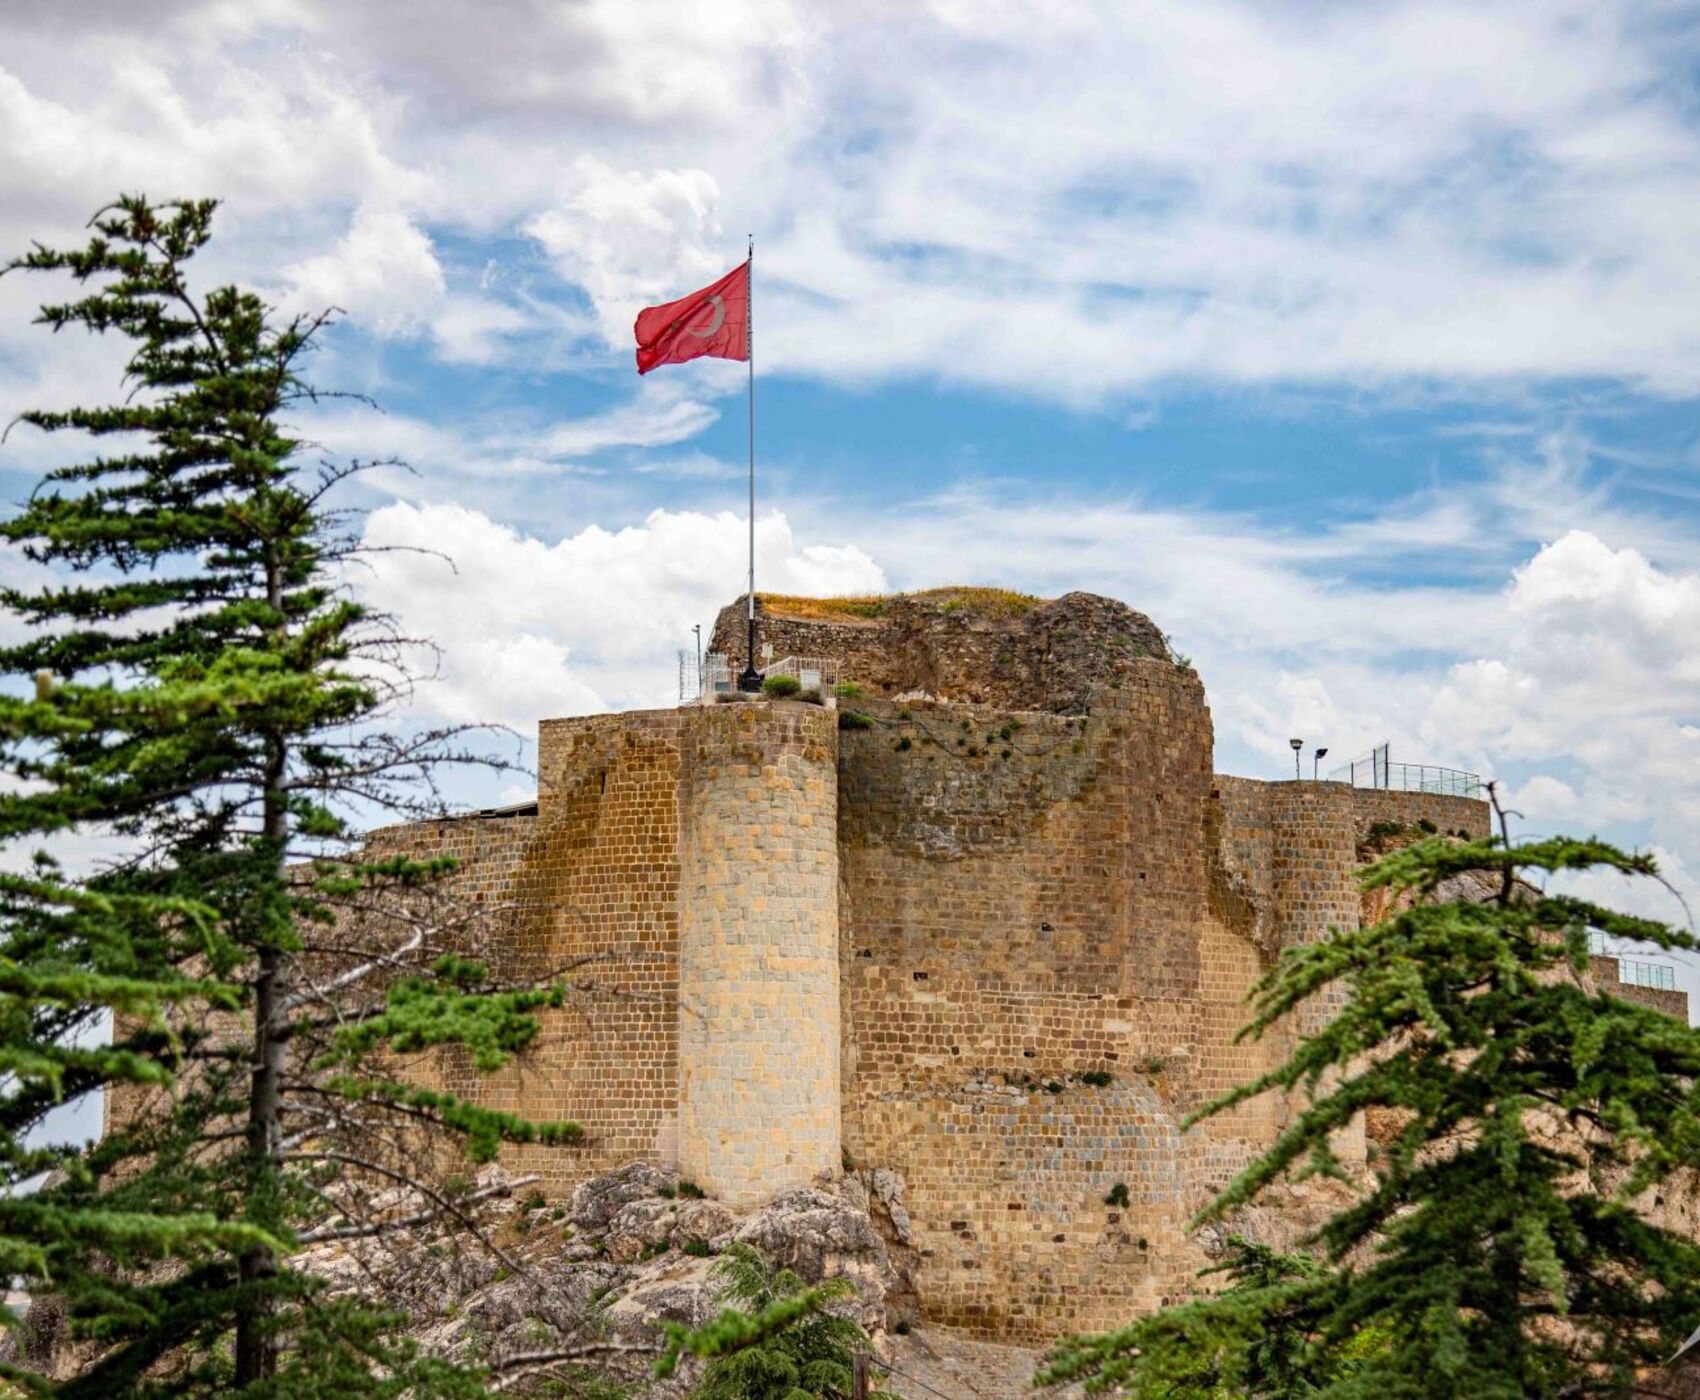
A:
(1600, 669)
(475, 330)
(1670, 898)
(631, 237)
(383, 273)
(497, 447)
(660, 415)
(1071, 200)
(1546, 800)
(531, 628)
(1577, 679)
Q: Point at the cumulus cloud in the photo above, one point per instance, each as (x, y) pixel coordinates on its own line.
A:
(1600, 670)
(530, 627)
(383, 273)
(1576, 680)
(631, 237)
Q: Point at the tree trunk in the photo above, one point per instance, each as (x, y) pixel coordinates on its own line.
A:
(256, 1344)
(256, 1348)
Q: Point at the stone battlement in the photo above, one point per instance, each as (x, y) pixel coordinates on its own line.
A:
(995, 941)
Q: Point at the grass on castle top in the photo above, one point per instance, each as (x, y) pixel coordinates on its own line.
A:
(981, 602)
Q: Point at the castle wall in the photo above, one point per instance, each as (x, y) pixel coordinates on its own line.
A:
(681, 873)
(1024, 901)
(998, 942)
(1028, 898)
(1607, 975)
(1001, 952)
(587, 890)
(1289, 851)
(758, 1011)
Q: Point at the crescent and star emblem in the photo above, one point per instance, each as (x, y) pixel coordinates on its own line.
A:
(719, 305)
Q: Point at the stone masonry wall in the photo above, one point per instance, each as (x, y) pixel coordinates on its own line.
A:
(1607, 977)
(1029, 899)
(997, 941)
(681, 872)
(758, 950)
(585, 890)
(940, 936)
(1024, 902)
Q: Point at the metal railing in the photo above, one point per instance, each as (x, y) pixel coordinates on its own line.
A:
(716, 678)
(812, 672)
(1424, 777)
(703, 683)
(1375, 770)
(1632, 972)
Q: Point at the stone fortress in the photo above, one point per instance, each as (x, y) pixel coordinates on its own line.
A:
(989, 929)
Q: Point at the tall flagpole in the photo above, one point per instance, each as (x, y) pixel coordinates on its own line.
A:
(751, 679)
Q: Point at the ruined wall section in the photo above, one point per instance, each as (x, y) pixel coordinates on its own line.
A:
(758, 1013)
(1054, 655)
(1287, 853)
(1287, 856)
(1024, 902)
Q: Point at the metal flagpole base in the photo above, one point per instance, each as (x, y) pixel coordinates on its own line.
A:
(749, 679)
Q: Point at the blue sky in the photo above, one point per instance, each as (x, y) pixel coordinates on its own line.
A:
(1358, 345)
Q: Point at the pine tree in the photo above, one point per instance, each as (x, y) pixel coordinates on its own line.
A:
(206, 695)
(777, 1339)
(1504, 1244)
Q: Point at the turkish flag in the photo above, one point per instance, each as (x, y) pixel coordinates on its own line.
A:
(714, 321)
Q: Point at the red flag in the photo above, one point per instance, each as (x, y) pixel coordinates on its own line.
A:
(714, 321)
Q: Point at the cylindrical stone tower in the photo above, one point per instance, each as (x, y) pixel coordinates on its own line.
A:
(1314, 882)
(759, 1094)
(1313, 876)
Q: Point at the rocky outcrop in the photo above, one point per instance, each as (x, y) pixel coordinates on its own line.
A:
(629, 1252)
(976, 645)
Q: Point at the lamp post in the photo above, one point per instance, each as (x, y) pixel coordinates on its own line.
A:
(697, 628)
(1315, 759)
(1297, 745)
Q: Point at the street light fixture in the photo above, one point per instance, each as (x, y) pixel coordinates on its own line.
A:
(1297, 745)
(1316, 758)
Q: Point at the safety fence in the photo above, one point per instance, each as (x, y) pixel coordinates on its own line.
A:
(1633, 972)
(1375, 769)
(702, 680)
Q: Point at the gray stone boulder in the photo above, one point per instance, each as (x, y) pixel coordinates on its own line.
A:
(816, 1234)
(597, 1201)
